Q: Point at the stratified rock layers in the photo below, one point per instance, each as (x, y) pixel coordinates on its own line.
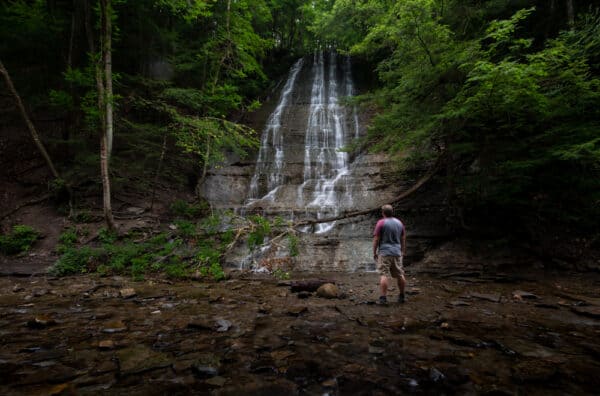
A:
(299, 173)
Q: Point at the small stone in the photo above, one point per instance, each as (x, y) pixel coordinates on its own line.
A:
(106, 344)
(200, 324)
(435, 375)
(376, 350)
(328, 290)
(155, 312)
(17, 289)
(445, 325)
(216, 381)
(223, 325)
(40, 292)
(520, 295)
(127, 293)
(281, 354)
(459, 303)
(330, 383)
(297, 310)
(114, 327)
(40, 322)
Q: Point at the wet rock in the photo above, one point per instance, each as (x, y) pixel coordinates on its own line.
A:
(304, 294)
(546, 305)
(297, 310)
(200, 324)
(282, 354)
(223, 325)
(17, 289)
(115, 327)
(41, 322)
(140, 358)
(592, 312)
(522, 295)
(107, 366)
(436, 375)
(459, 303)
(106, 344)
(534, 371)
(216, 381)
(127, 293)
(40, 292)
(413, 291)
(328, 290)
(487, 297)
(376, 350)
(206, 366)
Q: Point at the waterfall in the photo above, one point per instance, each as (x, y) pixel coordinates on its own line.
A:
(271, 155)
(330, 126)
(325, 164)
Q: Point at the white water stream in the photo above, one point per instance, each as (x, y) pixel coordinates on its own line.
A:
(329, 128)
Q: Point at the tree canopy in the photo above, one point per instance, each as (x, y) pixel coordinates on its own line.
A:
(506, 90)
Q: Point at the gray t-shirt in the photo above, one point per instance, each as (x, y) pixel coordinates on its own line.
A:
(389, 230)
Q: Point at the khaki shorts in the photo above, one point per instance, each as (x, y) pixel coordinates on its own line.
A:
(390, 266)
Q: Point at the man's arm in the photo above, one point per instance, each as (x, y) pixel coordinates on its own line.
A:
(403, 241)
(375, 246)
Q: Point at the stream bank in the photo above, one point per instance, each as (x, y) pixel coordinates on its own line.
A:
(462, 332)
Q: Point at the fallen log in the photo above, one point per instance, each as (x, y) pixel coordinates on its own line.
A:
(309, 285)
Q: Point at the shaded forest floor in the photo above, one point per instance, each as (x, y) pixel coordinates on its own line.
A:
(458, 333)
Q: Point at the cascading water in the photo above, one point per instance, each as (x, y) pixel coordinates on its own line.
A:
(325, 164)
(270, 155)
(329, 127)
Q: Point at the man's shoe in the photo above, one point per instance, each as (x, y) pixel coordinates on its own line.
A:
(383, 300)
(401, 298)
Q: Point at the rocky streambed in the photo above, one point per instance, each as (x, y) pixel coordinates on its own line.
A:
(459, 333)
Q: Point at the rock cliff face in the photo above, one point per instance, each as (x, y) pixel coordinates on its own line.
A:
(300, 172)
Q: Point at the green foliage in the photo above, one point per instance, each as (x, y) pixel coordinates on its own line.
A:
(293, 245)
(280, 274)
(19, 240)
(261, 228)
(106, 236)
(74, 261)
(186, 229)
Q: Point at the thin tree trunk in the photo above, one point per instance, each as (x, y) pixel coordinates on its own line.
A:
(104, 141)
(27, 120)
(571, 13)
(158, 169)
(227, 49)
(107, 57)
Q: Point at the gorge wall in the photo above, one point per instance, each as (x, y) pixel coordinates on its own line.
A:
(301, 172)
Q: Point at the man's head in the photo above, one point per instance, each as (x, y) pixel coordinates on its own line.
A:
(387, 210)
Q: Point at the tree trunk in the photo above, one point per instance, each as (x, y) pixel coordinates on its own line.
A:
(27, 120)
(107, 60)
(571, 13)
(102, 107)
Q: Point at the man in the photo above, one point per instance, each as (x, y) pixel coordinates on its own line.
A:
(389, 246)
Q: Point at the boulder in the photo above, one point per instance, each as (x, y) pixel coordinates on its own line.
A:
(328, 290)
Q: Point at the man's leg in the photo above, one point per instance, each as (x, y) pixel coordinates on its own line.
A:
(383, 283)
(401, 283)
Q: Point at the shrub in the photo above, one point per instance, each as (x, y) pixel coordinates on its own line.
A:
(74, 261)
(19, 240)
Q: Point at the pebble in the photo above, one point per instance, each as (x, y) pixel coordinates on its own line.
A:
(127, 293)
